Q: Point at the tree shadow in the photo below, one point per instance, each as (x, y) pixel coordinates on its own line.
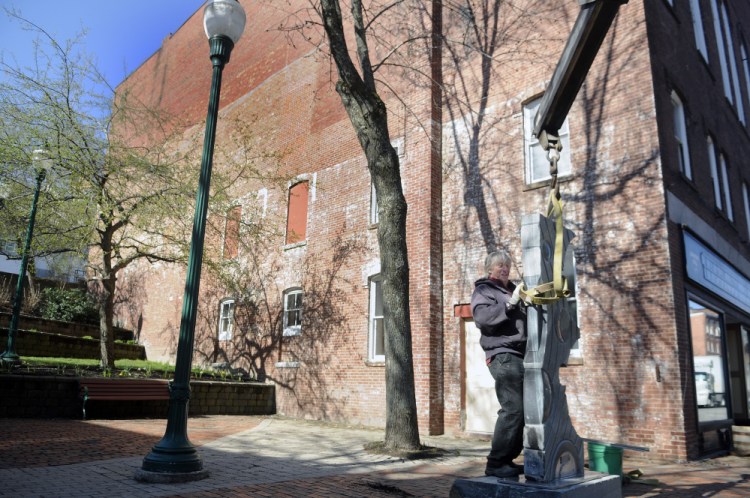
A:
(621, 254)
(483, 39)
(303, 365)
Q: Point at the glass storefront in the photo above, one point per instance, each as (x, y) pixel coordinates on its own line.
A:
(719, 306)
(707, 335)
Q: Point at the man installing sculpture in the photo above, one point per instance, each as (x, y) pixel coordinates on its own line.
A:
(500, 315)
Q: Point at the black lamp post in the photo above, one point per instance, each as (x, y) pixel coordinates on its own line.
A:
(9, 355)
(174, 458)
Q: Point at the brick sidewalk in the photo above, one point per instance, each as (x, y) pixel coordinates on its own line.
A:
(282, 458)
(38, 442)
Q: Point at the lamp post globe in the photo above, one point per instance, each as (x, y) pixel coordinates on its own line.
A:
(174, 458)
(41, 163)
(224, 18)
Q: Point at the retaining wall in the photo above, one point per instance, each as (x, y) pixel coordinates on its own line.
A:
(63, 346)
(36, 323)
(32, 396)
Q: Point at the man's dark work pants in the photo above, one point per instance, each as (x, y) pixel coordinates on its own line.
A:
(507, 442)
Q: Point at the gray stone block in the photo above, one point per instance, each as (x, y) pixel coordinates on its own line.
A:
(591, 484)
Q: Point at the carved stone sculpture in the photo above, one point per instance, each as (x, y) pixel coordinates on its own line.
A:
(552, 448)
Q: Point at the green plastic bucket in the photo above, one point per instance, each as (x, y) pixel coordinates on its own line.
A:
(605, 458)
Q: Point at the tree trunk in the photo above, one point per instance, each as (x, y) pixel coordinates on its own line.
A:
(106, 319)
(106, 294)
(367, 113)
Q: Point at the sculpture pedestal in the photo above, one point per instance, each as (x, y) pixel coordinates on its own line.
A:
(591, 484)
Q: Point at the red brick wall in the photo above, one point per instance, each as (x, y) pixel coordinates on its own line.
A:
(629, 386)
(286, 96)
(632, 385)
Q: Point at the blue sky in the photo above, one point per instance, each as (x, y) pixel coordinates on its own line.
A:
(122, 34)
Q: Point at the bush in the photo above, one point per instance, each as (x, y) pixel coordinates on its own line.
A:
(69, 305)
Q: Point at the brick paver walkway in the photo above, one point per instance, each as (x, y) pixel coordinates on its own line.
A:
(278, 457)
(40, 443)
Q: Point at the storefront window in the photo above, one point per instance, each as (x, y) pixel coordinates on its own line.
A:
(707, 334)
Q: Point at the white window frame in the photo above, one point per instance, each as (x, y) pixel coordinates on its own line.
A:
(727, 193)
(531, 143)
(680, 135)
(227, 308)
(376, 321)
(295, 328)
(374, 215)
(746, 202)
(700, 35)
(569, 271)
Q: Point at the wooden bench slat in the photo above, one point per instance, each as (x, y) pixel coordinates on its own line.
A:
(122, 390)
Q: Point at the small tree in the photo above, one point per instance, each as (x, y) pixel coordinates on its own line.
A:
(115, 194)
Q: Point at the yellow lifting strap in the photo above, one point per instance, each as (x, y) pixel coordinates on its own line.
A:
(551, 292)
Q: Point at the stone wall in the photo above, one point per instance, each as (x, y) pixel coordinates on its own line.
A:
(30, 396)
(62, 346)
(59, 327)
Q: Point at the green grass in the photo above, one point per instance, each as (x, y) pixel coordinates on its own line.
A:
(123, 368)
(85, 362)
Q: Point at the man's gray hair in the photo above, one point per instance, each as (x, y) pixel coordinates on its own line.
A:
(496, 257)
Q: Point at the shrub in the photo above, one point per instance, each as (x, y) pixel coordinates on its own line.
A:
(32, 299)
(69, 305)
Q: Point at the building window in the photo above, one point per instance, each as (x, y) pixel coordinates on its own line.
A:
(293, 312)
(296, 222)
(700, 36)
(720, 180)
(232, 232)
(226, 319)
(537, 163)
(374, 217)
(716, 180)
(9, 248)
(680, 135)
(746, 202)
(376, 339)
(727, 60)
(745, 67)
(725, 183)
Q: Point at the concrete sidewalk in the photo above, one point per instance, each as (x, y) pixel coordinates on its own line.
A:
(280, 457)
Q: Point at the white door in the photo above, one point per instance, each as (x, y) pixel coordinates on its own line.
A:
(481, 401)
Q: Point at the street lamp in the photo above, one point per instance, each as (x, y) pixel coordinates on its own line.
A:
(41, 164)
(174, 458)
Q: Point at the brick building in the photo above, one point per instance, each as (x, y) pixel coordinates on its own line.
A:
(655, 184)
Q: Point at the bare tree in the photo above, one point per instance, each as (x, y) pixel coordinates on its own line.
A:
(367, 112)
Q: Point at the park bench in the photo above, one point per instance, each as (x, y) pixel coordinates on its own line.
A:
(122, 390)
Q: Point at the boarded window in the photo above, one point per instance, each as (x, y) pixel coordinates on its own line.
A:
(232, 232)
(296, 223)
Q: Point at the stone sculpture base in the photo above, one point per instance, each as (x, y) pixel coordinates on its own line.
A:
(591, 484)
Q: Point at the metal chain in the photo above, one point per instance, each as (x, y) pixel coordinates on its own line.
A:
(553, 153)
